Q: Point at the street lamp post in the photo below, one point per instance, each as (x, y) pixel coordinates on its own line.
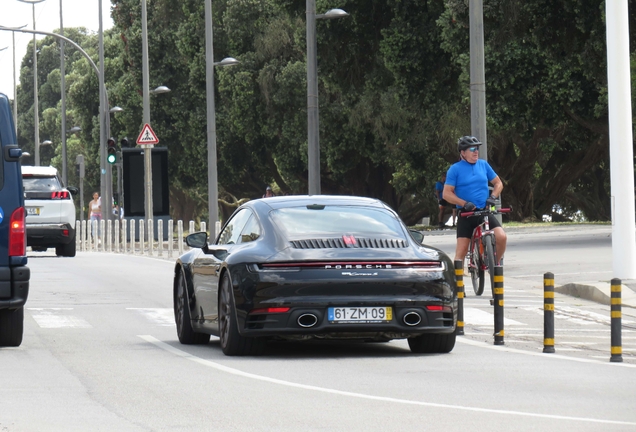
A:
(105, 179)
(103, 95)
(15, 99)
(63, 99)
(36, 117)
(313, 134)
(213, 184)
(43, 143)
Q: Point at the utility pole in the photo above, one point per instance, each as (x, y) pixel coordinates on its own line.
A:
(478, 77)
(313, 135)
(213, 181)
(103, 113)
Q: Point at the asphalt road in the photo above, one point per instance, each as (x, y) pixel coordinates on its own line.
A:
(100, 352)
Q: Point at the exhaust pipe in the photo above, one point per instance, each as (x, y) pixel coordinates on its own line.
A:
(412, 319)
(307, 320)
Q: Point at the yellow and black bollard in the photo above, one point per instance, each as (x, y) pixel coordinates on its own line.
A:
(548, 313)
(617, 345)
(498, 292)
(459, 276)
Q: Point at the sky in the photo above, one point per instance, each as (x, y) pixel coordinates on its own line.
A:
(14, 13)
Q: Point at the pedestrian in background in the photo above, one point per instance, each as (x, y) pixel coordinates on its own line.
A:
(95, 212)
(268, 192)
(439, 193)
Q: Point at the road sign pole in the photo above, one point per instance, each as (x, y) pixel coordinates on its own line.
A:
(146, 113)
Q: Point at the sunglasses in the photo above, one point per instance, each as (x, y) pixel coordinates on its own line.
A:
(473, 149)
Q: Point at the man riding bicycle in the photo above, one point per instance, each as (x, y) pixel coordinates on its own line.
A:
(467, 187)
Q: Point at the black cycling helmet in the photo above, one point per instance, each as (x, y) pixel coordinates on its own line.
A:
(467, 141)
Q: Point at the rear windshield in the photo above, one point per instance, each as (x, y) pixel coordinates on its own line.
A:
(337, 220)
(40, 183)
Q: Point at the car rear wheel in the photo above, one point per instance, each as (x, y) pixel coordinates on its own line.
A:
(11, 327)
(433, 343)
(185, 332)
(232, 343)
(67, 250)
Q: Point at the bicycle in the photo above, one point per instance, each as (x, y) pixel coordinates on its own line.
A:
(482, 249)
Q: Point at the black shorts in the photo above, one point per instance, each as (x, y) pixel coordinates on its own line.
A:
(466, 225)
(443, 203)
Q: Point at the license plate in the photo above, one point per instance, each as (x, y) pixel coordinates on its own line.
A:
(360, 315)
(33, 211)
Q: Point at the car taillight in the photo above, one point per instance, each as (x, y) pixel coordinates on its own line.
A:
(60, 195)
(17, 233)
(269, 310)
(438, 308)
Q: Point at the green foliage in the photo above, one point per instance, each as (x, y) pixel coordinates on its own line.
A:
(393, 92)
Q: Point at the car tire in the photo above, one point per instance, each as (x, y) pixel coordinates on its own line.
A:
(11, 327)
(67, 250)
(232, 343)
(185, 332)
(433, 343)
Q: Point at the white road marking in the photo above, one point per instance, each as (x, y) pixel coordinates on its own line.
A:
(532, 353)
(160, 316)
(474, 316)
(563, 274)
(237, 372)
(578, 316)
(559, 349)
(48, 318)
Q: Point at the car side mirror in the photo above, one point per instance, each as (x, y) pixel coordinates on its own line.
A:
(197, 240)
(417, 236)
(73, 190)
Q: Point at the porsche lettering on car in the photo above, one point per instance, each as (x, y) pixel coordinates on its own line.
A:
(314, 267)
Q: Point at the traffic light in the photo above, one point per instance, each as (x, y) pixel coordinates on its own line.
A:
(124, 142)
(111, 151)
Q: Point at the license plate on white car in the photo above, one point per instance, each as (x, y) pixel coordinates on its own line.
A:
(360, 315)
(33, 211)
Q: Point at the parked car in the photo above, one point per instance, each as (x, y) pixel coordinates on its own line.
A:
(50, 211)
(14, 273)
(324, 267)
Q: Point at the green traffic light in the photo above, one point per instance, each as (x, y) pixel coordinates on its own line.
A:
(111, 158)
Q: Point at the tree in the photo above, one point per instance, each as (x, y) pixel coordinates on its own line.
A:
(546, 100)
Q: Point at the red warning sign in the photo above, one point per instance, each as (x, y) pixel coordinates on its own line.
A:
(147, 136)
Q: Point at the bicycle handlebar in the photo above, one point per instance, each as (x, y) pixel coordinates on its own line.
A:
(485, 212)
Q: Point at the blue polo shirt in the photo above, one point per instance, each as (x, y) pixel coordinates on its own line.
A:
(439, 187)
(471, 181)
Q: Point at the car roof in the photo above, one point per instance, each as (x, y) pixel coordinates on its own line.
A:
(302, 200)
(39, 170)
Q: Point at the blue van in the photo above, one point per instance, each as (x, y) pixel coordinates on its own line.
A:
(14, 274)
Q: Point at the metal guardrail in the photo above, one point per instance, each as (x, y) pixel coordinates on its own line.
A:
(121, 237)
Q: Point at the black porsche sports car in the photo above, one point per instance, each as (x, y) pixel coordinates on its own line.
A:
(301, 267)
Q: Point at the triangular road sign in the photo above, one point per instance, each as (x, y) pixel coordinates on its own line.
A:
(147, 136)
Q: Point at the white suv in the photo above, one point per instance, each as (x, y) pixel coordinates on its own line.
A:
(50, 212)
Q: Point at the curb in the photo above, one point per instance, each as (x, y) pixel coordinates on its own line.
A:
(598, 292)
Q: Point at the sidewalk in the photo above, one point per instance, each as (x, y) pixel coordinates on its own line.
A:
(596, 291)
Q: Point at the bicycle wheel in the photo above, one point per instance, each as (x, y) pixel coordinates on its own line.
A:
(476, 272)
(490, 257)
